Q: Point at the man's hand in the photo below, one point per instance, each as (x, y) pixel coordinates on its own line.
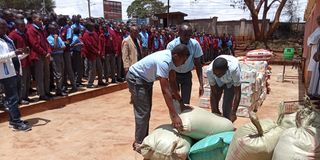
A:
(201, 90)
(233, 117)
(176, 122)
(126, 70)
(48, 55)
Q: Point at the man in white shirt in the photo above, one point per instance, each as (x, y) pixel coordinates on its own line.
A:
(140, 78)
(9, 79)
(224, 76)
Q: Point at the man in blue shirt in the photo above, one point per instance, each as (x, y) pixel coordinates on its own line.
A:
(224, 75)
(144, 36)
(183, 72)
(140, 78)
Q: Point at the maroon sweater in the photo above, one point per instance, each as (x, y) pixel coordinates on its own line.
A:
(20, 41)
(38, 43)
(90, 47)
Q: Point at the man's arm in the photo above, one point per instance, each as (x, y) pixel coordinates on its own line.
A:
(214, 100)
(236, 101)
(198, 65)
(176, 121)
(175, 90)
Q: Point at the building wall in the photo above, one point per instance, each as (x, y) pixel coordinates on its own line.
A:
(310, 26)
(242, 30)
(112, 10)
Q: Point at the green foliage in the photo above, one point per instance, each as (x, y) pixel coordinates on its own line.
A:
(145, 8)
(28, 4)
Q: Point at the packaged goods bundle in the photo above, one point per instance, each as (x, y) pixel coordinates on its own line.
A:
(212, 147)
(254, 141)
(302, 141)
(199, 123)
(165, 143)
(259, 55)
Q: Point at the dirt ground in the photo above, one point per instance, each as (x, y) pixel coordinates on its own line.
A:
(102, 128)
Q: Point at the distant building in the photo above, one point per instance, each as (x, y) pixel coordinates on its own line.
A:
(173, 18)
(112, 10)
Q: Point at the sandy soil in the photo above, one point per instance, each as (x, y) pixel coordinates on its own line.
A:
(102, 128)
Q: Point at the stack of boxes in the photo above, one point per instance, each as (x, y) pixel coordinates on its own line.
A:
(253, 86)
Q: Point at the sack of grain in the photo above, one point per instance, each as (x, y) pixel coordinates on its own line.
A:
(165, 143)
(199, 123)
(212, 147)
(303, 141)
(254, 141)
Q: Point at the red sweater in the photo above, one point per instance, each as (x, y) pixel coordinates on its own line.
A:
(20, 41)
(38, 43)
(90, 47)
(105, 45)
(116, 41)
(204, 44)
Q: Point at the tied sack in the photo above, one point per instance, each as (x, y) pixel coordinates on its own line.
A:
(254, 141)
(212, 147)
(303, 141)
(165, 143)
(199, 123)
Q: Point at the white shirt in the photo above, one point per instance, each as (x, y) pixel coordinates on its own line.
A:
(155, 65)
(6, 66)
(230, 78)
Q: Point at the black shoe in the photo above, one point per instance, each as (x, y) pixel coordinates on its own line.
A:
(113, 81)
(24, 102)
(49, 95)
(29, 100)
(61, 94)
(11, 124)
(91, 86)
(73, 90)
(21, 126)
(31, 90)
(102, 84)
(79, 85)
(120, 80)
(45, 98)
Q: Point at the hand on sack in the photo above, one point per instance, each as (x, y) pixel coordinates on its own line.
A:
(176, 122)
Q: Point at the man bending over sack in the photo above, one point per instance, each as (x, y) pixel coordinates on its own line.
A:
(140, 78)
(224, 75)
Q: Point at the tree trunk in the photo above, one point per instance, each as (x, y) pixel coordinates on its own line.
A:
(255, 19)
(275, 22)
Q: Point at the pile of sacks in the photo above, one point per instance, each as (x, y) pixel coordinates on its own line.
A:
(293, 136)
(254, 85)
(205, 135)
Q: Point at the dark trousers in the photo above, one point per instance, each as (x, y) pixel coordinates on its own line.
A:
(141, 93)
(11, 101)
(58, 71)
(25, 82)
(42, 75)
(184, 82)
(94, 69)
(119, 64)
(228, 94)
(68, 71)
(99, 69)
(109, 66)
(77, 66)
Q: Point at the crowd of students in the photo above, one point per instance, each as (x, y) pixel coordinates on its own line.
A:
(61, 53)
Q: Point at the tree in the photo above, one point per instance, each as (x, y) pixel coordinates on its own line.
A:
(291, 10)
(254, 6)
(28, 4)
(145, 8)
